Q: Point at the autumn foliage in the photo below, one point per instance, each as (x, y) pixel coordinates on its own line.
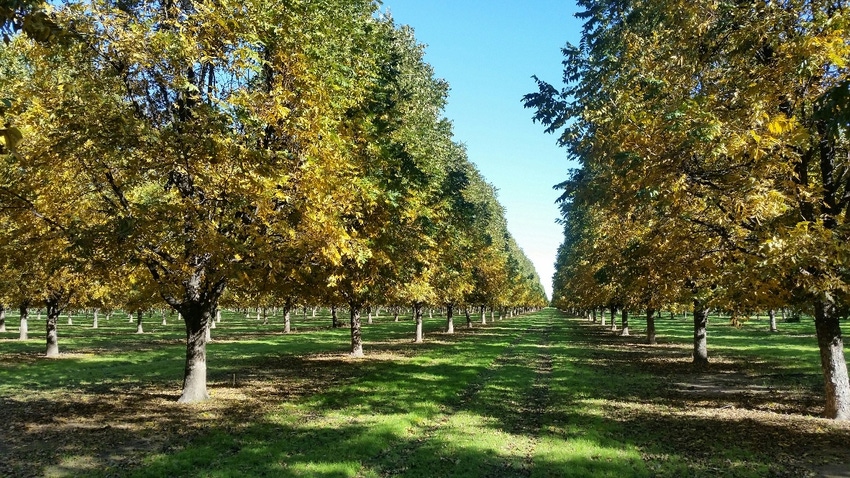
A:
(283, 152)
(712, 139)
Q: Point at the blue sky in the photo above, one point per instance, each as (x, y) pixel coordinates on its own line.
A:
(487, 50)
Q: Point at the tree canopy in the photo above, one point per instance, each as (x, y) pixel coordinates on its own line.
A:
(713, 152)
(286, 150)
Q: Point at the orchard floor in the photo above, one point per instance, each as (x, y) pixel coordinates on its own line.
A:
(538, 395)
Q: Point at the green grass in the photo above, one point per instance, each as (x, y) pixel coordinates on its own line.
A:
(541, 395)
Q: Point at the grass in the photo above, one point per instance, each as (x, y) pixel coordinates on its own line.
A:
(541, 395)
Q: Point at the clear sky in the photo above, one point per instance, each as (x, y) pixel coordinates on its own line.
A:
(487, 50)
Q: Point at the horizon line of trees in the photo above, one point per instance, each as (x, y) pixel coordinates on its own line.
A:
(284, 151)
(714, 164)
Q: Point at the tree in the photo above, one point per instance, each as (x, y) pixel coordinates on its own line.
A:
(206, 130)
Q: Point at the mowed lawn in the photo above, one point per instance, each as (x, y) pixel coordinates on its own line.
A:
(538, 395)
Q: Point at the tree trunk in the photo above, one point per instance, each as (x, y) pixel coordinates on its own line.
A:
(650, 327)
(700, 338)
(287, 320)
(772, 314)
(602, 317)
(139, 328)
(200, 300)
(369, 315)
(594, 315)
(831, 345)
(613, 319)
(94, 319)
(468, 318)
(217, 314)
(450, 323)
(2, 318)
(24, 329)
(70, 320)
(356, 337)
(334, 318)
(196, 314)
(53, 311)
(483, 315)
(624, 322)
(417, 317)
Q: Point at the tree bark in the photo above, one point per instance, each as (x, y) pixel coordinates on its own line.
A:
(334, 318)
(468, 318)
(417, 317)
(450, 323)
(613, 319)
(395, 314)
(602, 317)
(94, 319)
(831, 345)
(23, 333)
(139, 328)
(594, 315)
(196, 314)
(650, 327)
(199, 301)
(70, 320)
(700, 337)
(369, 315)
(483, 315)
(356, 337)
(287, 314)
(53, 310)
(624, 323)
(772, 314)
(2, 318)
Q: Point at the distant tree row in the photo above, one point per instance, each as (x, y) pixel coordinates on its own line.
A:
(288, 151)
(712, 139)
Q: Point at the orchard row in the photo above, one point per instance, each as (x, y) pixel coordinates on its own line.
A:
(713, 142)
(261, 153)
